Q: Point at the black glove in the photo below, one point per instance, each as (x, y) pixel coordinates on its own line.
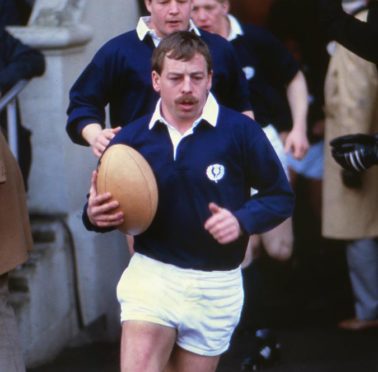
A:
(355, 152)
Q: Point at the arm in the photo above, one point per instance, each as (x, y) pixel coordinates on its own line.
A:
(359, 93)
(9, 13)
(296, 142)
(274, 201)
(21, 61)
(238, 93)
(355, 152)
(359, 37)
(89, 96)
(280, 70)
(97, 137)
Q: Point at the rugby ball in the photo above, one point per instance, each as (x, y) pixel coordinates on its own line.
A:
(125, 173)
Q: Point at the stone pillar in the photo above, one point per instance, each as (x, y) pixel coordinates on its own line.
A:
(69, 32)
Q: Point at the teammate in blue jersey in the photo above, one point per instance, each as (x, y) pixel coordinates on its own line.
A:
(269, 69)
(119, 75)
(181, 295)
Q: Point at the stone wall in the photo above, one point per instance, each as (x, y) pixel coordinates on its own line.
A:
(69, 32)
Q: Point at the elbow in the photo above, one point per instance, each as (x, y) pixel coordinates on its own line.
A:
(40, 66)
(287, 206)
(291, 203)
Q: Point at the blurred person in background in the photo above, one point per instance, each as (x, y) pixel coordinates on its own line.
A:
(349, 197)
(118, 75)
(15, 12)
(271, 72)
(18, 61)
(269, 68)
(15, 242)
(362, 39)
(358, 36)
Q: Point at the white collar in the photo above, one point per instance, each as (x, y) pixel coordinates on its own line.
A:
(352, 6)
(209, 114)
(235, 28)
(143, 30)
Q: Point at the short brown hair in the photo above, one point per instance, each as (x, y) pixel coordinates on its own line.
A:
(180, 45)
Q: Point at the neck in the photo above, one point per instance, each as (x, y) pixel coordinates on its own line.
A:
(151, 26)
(225, 27)
(181, 125)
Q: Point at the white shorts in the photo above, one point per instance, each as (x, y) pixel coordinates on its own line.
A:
(312, 165)
(276, 142)
(204, 307)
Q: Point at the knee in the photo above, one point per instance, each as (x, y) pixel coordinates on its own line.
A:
(279, 248)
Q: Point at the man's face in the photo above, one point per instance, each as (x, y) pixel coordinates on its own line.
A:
(168, 16)
(183, 88)
(208, 14)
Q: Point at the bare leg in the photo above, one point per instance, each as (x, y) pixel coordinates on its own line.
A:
(252, 251)
(184, 361)
(130, 244)
(145, 347)
(278, 242)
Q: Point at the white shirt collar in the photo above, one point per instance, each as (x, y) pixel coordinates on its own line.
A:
(209, 113)
(235, 28)
(143, 30)
(353, 6)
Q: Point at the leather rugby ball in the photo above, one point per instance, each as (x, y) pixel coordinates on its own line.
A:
(125, 173)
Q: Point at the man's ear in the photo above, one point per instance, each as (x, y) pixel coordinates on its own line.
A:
(225, 6)
(155, 81)
(209, 83)
(147, 4)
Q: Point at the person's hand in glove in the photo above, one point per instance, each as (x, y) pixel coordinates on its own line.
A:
(355, 152)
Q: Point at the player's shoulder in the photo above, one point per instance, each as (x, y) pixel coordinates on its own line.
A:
(123, 45)
(236, 120)
(214, 40)
(123, 40)
(136, 128)
(257, 33)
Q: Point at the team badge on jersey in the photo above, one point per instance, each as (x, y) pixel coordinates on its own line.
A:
(215, 172)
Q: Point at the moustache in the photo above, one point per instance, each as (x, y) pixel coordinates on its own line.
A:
(186, 99)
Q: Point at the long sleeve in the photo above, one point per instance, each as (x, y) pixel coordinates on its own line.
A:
(359, 37)
(18, 61)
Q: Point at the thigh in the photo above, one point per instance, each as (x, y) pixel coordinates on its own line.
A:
(252, 251)
(211, 311)
(145, 347)
(184, 361)
(278, 146)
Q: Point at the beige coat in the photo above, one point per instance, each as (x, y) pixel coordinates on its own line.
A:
(15, 235)
(351, 96)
